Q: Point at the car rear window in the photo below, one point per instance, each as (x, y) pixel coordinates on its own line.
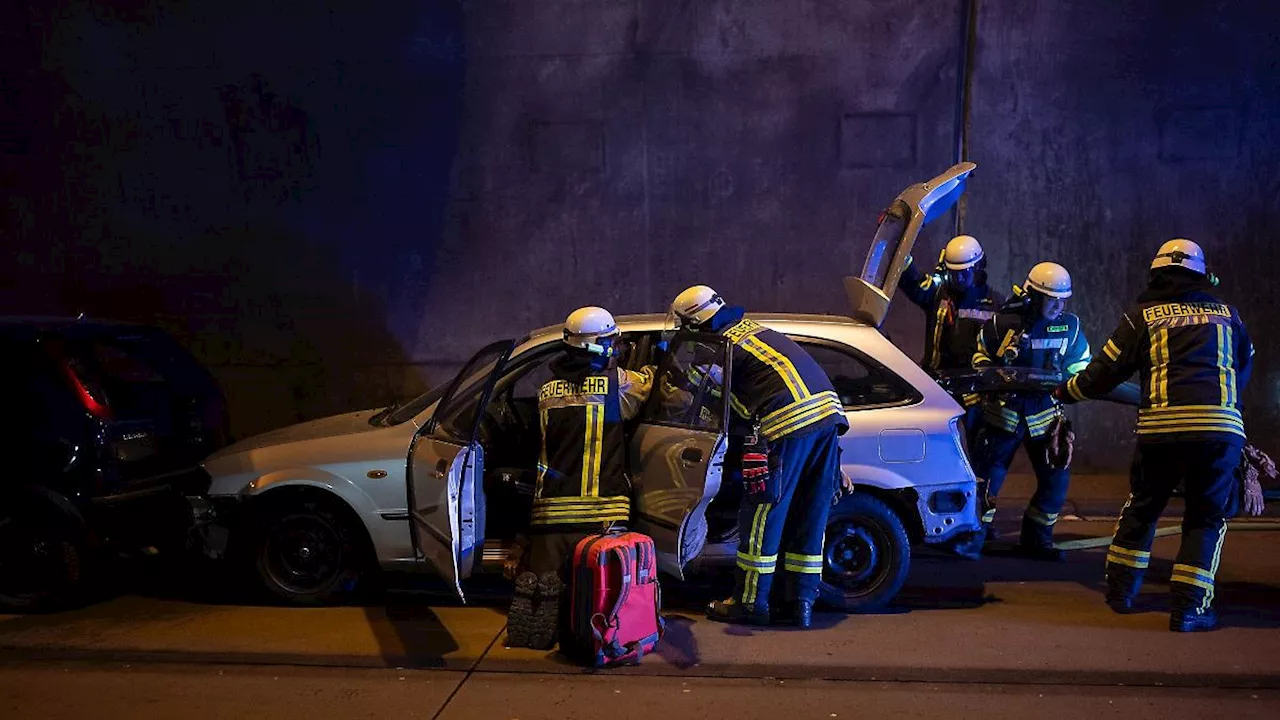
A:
(137, 373)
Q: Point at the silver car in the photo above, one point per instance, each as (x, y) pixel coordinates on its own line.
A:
(443, 482)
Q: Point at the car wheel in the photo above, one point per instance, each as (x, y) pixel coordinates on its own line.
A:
(42, 559)
(866, 556)
(309, 555)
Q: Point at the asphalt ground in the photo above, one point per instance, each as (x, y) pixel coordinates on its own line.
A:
(1003, 637)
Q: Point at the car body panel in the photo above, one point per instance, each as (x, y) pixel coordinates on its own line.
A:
(338, 453)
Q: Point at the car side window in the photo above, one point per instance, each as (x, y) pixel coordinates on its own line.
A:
(689, 387)
(861, 382)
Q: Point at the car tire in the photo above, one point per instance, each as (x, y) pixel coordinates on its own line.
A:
(43, 558)
(866, 556)
(309, 554)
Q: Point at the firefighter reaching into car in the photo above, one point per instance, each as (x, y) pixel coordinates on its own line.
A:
(582, 487)
(1032, 330)
(1192, 355)
(784, 399)
(957, 302)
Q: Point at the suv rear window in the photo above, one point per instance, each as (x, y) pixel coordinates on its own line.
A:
(861, 383)
(139, 373)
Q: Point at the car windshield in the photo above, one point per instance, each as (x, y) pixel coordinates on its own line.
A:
(401, 412)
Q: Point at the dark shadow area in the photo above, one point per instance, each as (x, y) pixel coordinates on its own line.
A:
(267, 184)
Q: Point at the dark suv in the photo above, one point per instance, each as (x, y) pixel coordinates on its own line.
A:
(104, 426)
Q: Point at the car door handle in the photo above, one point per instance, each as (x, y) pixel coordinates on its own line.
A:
(441, 467)
(691, 456)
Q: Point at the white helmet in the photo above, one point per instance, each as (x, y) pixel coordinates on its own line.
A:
(1049, 279)
(586, 327)
(696, 305)
(1182, 253)
(962, 253)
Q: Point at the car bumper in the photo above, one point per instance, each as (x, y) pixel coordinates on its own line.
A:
(947, 511)
(216, 519)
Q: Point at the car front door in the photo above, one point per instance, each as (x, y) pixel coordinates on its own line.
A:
(446, 470)
(678, 447)
(871, 292)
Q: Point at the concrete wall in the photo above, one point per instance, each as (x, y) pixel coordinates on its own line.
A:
(335, 203)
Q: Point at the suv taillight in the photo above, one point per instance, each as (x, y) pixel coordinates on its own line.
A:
(95, 405)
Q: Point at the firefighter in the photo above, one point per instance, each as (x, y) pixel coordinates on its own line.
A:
(1193, 356)
(582, 487)
(957, 302)
(791, 470)
(1032, 330)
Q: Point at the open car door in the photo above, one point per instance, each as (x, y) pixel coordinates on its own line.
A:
(678, 448)
(870, 293)
(446, 470)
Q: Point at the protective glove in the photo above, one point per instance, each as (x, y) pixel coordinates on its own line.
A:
(758, 482)
(1061, 444)
(843, 489)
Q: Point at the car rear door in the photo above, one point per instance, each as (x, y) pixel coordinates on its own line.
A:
(871, 292)
(678, 447)
(446, 470)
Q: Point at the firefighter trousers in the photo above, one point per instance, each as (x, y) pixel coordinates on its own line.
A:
(1207, 467)
(996, 450)
(789, 534)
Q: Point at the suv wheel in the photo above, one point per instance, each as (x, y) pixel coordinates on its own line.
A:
(309, 555)
(42, 559)
(866, 557)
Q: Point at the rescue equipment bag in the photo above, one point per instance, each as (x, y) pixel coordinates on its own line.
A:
(615, 601)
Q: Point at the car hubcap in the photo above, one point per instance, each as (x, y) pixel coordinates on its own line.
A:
(854, 555)
(29, 564)
(303, 553)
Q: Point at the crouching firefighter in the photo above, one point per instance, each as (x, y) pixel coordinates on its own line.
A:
(1033, 331)
(957, 302)
(1193, 356)
(581, 485)
(791, 406)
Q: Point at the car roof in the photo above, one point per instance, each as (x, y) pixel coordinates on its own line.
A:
(656, 321)
(40, 322)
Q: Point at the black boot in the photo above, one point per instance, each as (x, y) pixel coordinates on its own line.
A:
(1122, 592)
(1190, 621)
(520, 616)
(798, 613)
(546, 616)
(970, 547)
(737, 613)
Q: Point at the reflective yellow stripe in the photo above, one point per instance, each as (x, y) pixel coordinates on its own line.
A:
(989, 516)
(936, 357)
(542, 457)
(758, 563)
(804, 564)
(1226, 365)
(1073, 387)
(592, 449)
(1140, 554)
(971, 399)
(754, 540)
(1192, 575)
(1213, 566)
(785, 369)
(1127, 561)
(1160, 368)
(738, 407)
(1111, 350)
(799, 415)
(1042, 518)
(571, 500)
